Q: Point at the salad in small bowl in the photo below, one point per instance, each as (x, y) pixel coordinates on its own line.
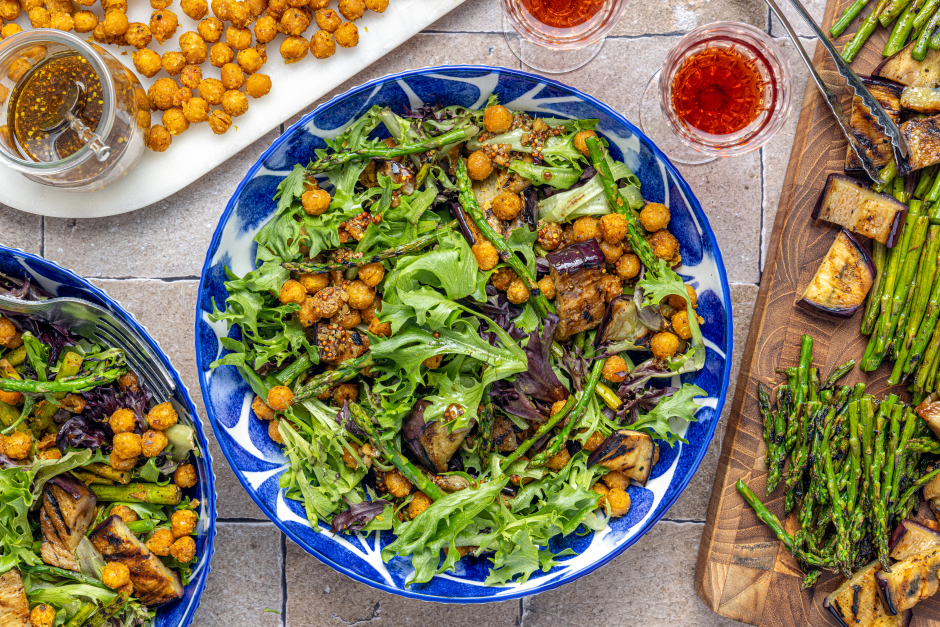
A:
(463, 350)
(107, 504)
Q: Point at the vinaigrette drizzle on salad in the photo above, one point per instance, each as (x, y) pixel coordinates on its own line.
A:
(453, 328)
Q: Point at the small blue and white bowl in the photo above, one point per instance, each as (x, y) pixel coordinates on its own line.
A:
(258, 461)
(61, 282)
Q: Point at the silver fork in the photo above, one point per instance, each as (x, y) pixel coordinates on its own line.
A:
(98, 325)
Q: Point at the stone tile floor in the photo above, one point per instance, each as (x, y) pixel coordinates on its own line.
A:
(150, 261)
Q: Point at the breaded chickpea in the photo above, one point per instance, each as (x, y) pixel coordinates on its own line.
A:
(85, 22)
(322, 45)
(191, 76)
(328, 20)
(368, 314)
(258, 85)
(115, 575)
(265, 29)
(183, 522)
(616, 479)
(517, 292)
(250, 60)
(261, 409)
(280, 398)
(160, 542)
(194, 47)
(596, 439)
(585, 228)
(196, 110)
(112, 5)
(257, 7)
(497, 119)
(419, 502)
(210, 29)
(547, 287)
(160, 4)
(613, 228)
(655, 217)
(163, 25)
(220, 9)
(162, 417)
(184, 549)
(615, 369)
(60, 20)
(397, 485)
(550, 236)
(619, 502)
(127, 445)
(220, 54)
(611, 287)
(580, 141)
(479, 166)
(376, 327)
(115, 23)
(235, 103)
(175, 121)
(11, 398)
(292, 292)
(161, 93)
(502, 278)
(664, 345)
(18, 445)
(51, 454)
(293, 49)
(612, 252)
(185, 476)
(360, 294)
(677, 302)
(680, 325)
(293, 22)
(7, 331)
(347, 317)
(122, 421)
(42, 615)
(316, 201)
(137, 34)
(347, 35)
(378, 6)
(559, 460)
(507, 206)
(433, 362)
(345, 392)
(274, 432)
(601, 489)
(352, 10)
(128, 381)
(316, 5)
(372, 274)
(195, 9)
(313, 283)
(239, 14)
(12, 29)
(665, 246)
(219, 122)
(10, 10)
(486, 255)
(39, 17)
(120, 463)
(211, 90)
(628, 266)
(125, 513)
(239, 38)
(152, 443)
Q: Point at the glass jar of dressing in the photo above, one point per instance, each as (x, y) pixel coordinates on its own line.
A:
(71, 115)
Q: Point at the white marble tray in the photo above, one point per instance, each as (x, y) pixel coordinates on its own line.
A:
(198, 150)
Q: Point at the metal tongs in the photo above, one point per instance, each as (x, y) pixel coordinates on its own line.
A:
(898, 143)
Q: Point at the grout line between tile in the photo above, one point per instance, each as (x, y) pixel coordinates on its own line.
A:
(165, 279)
(283, 580)
(243, 521)
(521, 620)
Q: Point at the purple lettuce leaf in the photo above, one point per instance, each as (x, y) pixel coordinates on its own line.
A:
(84, 432)
(344, 418)
(635, 394)
(103, 401)
(358, 515)
(540, 381)
(508, 398)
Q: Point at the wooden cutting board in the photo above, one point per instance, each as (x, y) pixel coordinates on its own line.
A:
(743, 571)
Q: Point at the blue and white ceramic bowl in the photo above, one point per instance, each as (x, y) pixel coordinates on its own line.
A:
(258, 462)
(61, 282)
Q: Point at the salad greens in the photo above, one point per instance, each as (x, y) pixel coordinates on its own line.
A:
(441, 329)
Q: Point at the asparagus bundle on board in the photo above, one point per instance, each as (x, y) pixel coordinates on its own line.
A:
(910, 21)
(851, 465)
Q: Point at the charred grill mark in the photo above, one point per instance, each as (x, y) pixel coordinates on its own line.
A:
(54, 502)
(856, 594)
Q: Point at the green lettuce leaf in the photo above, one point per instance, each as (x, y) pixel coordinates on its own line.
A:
(661, 423)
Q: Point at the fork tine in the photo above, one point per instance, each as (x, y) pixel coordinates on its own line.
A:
(106, 336)
(142, 352)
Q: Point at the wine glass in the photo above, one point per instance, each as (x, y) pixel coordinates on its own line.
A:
(682, 141)
(555, 36)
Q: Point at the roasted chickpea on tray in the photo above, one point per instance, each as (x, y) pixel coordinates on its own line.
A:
(94, 528)
(458, 315)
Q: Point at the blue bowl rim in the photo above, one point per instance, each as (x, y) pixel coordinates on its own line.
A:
(700, 216)
(203, 441)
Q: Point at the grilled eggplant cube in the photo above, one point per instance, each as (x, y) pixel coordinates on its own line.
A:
(909, 582)
(842, 281)
(921, 99)
(854, 206)
(911, 539)
(68, 507)
(873, 139)
(856, 602)
(578, 272)
(923, 138)
(154, 583)
(14, 608)
(629, 452)
(905, 69)
(432, 443)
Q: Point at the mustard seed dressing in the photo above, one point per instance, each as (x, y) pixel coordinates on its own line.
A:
(37, 102)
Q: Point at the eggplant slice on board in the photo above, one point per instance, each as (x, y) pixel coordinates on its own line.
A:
(857, 208)
(842, 281)
(923, 138)
(904, 69)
